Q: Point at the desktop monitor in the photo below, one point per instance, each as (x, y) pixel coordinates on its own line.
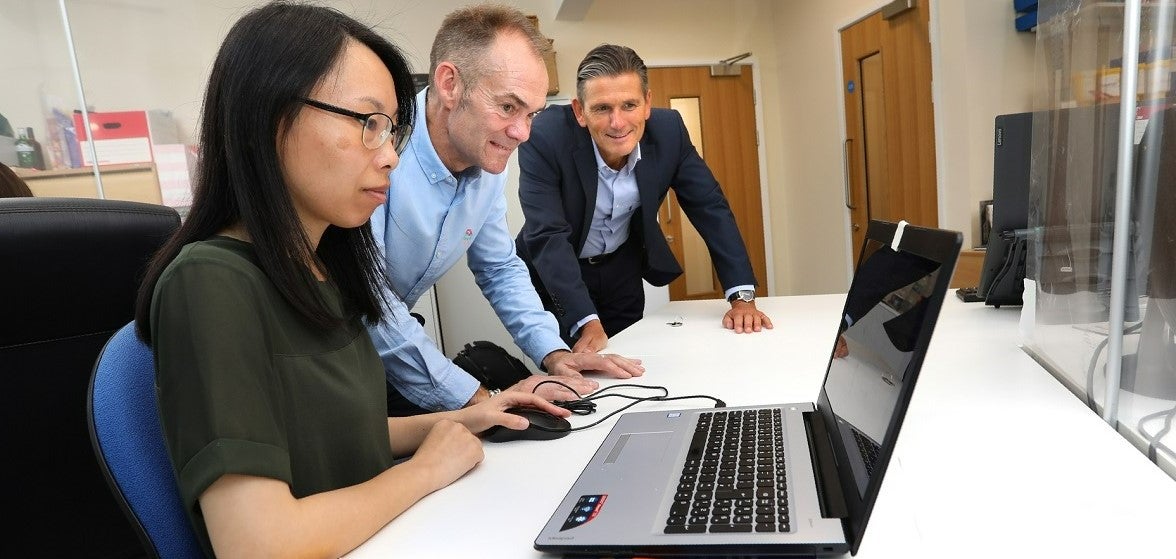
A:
(1003, 270)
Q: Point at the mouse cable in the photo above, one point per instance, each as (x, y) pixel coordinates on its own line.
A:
(1090, 403)
(586, 402)
(1154, 440)
(584, 405)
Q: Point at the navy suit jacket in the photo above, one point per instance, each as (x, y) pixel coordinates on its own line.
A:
(557, 188)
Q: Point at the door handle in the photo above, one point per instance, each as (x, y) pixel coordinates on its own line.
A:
(669, 208)
(845, 170)
(670, 239)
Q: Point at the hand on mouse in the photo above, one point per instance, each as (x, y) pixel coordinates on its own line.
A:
(566, 363)
(488, 413)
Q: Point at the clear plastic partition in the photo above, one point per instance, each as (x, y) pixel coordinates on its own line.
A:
(1100, 305)
(119, 84)
(40, 93)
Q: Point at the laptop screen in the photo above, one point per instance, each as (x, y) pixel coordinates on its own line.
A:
(886, 324)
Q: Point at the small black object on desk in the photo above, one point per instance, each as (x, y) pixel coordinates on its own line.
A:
(543, 427)
(969, 295)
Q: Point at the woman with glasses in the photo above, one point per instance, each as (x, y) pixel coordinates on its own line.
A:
(271, 395)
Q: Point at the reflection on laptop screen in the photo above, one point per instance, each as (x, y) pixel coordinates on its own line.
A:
(881, 325)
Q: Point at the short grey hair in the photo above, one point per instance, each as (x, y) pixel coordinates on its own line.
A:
(609, 61)
(466, 35)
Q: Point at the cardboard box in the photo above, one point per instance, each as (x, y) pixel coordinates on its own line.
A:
(549, 61)
(119, 137)
(1084, 86)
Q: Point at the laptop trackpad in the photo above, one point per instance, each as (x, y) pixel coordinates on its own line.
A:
(641, 447)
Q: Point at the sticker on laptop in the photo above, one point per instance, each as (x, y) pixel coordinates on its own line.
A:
(586, 508)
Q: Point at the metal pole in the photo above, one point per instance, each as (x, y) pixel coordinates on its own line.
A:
(1123, 180)
(73, 60)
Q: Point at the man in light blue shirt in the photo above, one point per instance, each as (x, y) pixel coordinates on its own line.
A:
(487, 81)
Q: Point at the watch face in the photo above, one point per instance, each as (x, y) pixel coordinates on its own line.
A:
(745, 295)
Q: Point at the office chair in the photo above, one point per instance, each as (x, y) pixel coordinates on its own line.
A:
(70, 271)
(128, 440)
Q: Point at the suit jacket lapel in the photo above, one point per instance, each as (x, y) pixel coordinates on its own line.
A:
(585, 160)
(647, 189)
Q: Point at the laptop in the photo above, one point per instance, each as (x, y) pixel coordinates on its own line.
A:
(796, 479)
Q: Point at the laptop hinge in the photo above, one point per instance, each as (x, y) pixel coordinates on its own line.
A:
(829, 491)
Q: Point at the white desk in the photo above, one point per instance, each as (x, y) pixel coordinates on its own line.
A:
(995, 459)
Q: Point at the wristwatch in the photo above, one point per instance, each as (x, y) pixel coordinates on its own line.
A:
(745, 295)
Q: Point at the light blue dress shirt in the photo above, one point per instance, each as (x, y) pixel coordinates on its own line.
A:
(430, 220)
(616, 200)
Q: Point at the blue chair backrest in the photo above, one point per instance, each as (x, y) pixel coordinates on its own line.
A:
(128, 441)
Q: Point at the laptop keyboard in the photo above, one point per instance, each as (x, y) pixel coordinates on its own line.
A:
(869, 450)
(734, 478)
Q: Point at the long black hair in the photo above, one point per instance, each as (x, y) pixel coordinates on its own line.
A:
(272, 57)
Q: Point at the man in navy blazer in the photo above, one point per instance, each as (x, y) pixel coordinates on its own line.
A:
(593, 175)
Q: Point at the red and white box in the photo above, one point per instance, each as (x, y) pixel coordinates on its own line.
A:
(119, 137)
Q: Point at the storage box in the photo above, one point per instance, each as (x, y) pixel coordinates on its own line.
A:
(119, 137)
(549, 61)
(175, 164)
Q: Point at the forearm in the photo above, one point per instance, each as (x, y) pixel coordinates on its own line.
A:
(407, 433)
(258, 517)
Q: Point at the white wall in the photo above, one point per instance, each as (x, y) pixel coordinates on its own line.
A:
(983, 68)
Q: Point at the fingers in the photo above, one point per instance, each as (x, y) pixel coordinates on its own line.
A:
(631, 366)
(746, 321)
(517, 399)
(569, 388)
(449, 451)
(614, 366)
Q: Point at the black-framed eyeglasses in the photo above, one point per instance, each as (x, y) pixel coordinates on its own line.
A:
(377, 127)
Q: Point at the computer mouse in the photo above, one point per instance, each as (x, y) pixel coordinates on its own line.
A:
(543, 427)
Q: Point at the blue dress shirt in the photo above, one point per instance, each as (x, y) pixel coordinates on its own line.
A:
(616, 200)
(430, 220)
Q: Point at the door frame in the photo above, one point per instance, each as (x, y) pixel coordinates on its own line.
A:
(662, 293)
(936, 97)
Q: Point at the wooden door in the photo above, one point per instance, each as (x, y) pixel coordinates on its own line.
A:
(719, 113)
(889, 148)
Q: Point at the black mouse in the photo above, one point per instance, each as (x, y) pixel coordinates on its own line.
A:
(543, 427)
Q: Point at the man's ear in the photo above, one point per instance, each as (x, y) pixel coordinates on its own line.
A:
(648, 103)
(578, 110)
(448, 84)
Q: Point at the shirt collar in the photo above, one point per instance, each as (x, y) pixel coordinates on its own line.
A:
(629, 165)
(421, 146)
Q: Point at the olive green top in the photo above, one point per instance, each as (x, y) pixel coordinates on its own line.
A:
(247, 386)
